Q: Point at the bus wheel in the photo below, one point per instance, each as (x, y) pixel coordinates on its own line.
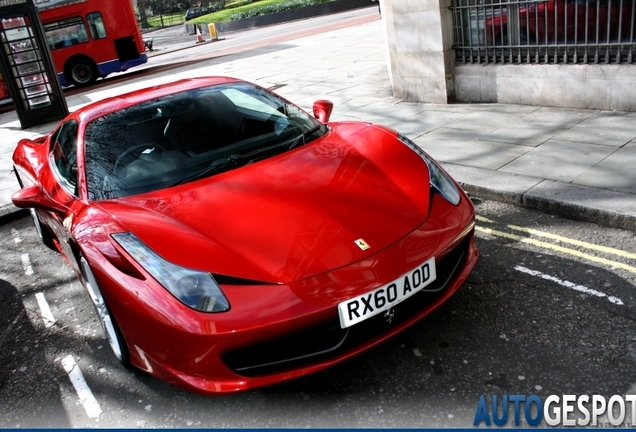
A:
(81, 72)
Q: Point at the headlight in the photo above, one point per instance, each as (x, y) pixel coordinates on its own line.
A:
(194, 288)
(440, 181)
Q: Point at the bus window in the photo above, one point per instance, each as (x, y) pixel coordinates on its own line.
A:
(65, 33)
(96, 25)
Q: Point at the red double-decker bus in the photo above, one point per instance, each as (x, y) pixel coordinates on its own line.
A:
(90, 39)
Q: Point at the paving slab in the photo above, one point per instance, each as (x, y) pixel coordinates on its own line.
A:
(539, 126)
(387, 113)
(6, 165)
(485, 121)
(502, 108)
(427, 121)
(493, 185)
(328, 88)
(442, 141)
(559, 160)
(523, 135)
(377, 112)
(6, 192)
(616, 172)
(485, 154)
(605, 127)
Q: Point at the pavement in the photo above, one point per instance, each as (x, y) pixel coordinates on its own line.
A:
(579, 164)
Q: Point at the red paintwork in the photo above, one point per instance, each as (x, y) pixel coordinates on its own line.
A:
(4, 90)
(547, 21)
(322, 110)
(290, 220)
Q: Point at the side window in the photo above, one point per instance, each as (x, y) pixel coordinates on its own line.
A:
(65, 33)
(64, 155)
(96, 25)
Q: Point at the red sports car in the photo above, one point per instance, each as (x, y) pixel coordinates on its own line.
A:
(566, 21)
(229, 240)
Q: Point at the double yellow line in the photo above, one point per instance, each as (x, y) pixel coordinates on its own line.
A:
(565, 250)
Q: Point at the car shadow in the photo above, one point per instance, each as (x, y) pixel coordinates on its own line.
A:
(27, 379)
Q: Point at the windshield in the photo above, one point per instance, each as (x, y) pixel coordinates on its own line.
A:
(186, 136)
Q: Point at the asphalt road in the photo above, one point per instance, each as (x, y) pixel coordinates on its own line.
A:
(549, 309)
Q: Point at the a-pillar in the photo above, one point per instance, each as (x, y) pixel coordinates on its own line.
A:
(420, 58)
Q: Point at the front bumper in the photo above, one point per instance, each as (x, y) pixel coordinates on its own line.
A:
(275, 333)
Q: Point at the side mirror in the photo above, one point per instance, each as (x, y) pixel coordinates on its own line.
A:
(35, 197)
(322, 110)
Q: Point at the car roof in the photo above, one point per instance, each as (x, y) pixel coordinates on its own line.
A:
(116, 103)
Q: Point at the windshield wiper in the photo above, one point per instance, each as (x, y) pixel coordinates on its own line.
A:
(301, 138)
(219, 164)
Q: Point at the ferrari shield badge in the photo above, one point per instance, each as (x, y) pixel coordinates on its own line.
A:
(362, 244)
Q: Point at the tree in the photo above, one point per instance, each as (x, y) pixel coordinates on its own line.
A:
(142, 6)
(160, 7)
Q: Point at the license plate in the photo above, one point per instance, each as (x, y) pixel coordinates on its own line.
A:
(381, 299)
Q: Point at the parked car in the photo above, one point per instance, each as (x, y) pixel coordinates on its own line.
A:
(565, 21)
(194, 13)
(229, 240)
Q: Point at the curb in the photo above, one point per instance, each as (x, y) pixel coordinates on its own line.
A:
(10, 213)
(600, 206)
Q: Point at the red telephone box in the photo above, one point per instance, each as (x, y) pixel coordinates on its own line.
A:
(26, 65)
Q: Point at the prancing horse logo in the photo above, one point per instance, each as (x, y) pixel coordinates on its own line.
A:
(362, 244)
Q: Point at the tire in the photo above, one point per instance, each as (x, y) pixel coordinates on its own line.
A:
(80, 72)
(106, 319)
(43, 232)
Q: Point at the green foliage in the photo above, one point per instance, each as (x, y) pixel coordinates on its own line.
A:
(240, 7)
(239, 3)
(230, 9)
(273, 8)
(166, 19)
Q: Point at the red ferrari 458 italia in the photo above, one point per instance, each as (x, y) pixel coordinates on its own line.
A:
(565, 22)
(229, 240)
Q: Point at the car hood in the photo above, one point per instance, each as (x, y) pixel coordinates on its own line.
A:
(292, 216)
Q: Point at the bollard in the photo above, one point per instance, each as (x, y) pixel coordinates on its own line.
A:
(213, 35)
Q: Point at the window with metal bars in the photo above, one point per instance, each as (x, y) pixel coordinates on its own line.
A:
(550, 31)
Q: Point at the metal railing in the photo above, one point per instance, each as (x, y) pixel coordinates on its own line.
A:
(550, 31)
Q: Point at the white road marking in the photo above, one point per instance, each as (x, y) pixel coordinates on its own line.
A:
(45, 310)
(83, 391)
(26, 264)
(568, 284)
(16, 235)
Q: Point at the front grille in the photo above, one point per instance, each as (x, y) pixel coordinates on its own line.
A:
(326, 340)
